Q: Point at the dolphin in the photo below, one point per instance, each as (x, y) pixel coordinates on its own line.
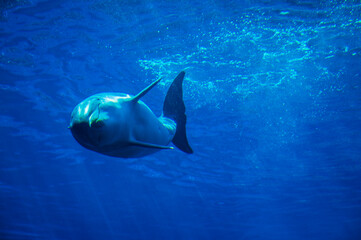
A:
(121, 125)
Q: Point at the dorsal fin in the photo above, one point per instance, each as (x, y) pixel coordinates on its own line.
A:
(144, 91)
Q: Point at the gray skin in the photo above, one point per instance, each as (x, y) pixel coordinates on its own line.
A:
(120, 125)
(117, 124)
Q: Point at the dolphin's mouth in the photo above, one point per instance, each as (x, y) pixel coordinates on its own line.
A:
(97, 124)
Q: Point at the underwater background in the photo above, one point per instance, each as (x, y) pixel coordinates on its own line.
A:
(273, 99)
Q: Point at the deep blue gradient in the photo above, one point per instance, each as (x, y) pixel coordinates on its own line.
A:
(272, 94)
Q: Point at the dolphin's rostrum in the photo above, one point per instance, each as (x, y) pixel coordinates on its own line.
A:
(121, 125)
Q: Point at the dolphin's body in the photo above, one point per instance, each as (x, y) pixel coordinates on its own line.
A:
(121, 125)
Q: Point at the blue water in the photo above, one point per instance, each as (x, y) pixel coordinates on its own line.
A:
(272, 94)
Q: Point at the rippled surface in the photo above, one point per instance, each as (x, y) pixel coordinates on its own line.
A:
(273, 102)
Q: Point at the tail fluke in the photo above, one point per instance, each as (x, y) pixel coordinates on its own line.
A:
(174, 109)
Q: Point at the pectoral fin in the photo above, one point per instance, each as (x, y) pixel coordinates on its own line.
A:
(97, 118)
(149, 145)
(94, 117)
